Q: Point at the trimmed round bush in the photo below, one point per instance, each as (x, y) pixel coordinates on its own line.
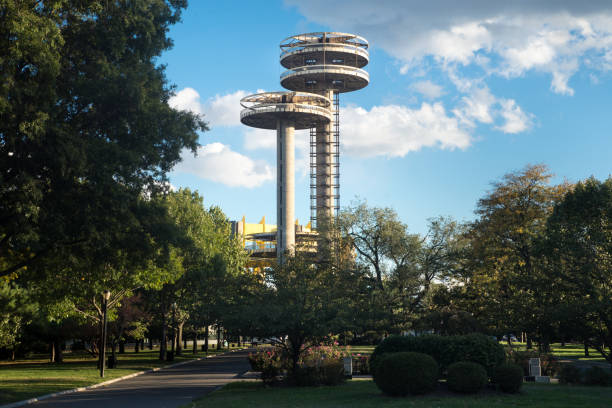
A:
(508, 377)
(400, 374)
(597, 376)
(446, 350)
(466, 377)
(570, 374)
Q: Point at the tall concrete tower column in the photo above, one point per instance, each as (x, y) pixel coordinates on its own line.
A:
(285, 112)
(285, 194)
(324, 169)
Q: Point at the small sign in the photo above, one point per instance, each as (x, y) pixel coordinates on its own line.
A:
(348, 367)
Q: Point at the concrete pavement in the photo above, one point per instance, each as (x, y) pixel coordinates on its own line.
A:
(167, 388)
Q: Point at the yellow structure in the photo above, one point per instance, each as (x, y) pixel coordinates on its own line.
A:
(260, 240)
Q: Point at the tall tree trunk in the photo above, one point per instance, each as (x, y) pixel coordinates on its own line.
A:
(529, 343)
(218, 337)
(162, 341)
(151, 343)
(586, 348)
(59, 355)
(195, 342)
(206, 334)
(136, 346)
(52, 352)
(122, 347)
(179, 338)
(113, 354)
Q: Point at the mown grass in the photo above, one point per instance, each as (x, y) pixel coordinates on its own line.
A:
(365, 394)
(24, 379)
(569, 351)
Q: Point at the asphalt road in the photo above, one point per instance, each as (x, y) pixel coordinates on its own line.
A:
(167, 388)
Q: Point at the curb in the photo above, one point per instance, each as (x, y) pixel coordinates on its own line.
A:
(114, 380)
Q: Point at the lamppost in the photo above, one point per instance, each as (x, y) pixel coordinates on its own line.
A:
(105, 297)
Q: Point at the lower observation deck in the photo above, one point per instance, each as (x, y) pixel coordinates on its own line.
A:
(340, 78)
(305, 110)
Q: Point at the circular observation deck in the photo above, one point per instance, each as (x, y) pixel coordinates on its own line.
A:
(304, 109)
(324, 61)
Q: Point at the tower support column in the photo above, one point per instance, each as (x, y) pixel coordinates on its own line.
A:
(285, 194)
(324, 170)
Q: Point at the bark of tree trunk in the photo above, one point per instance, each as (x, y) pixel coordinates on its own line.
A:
(136, 346)
(206, 333)
(195, 342)
(586, 349)
(218, 338)
(529, 343)
(51, 352)
(162, 340)
(179, 339)
(122, 347)
(59, 355)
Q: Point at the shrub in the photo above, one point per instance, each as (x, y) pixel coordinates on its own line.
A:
(570, 374)
(361, 364)
(332, 373)
(466, 377)
(446, 350)
(269, 362)
(597, 376)
(406, 373)
(548, 363)
(508, 377)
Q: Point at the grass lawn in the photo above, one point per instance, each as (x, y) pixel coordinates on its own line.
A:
(364, 393)
(361, 349)
(24, 379)
(569, 351)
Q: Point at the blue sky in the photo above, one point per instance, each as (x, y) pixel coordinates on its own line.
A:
(460, 93)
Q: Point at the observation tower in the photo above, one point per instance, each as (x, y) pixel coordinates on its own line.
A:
(325, 63)
(319, 66)
(285, 112)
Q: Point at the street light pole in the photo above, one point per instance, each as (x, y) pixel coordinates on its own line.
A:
(105, 298)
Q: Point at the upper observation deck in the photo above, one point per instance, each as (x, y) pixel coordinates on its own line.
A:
(324, 61)
(304, 109)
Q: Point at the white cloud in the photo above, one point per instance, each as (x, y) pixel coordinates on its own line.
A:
(476, 107)
(516, 120)
(259, 139)
(428, 89)
(504, 38)
(218, 163)
(220, 110)
(480, 106)
(394, 130)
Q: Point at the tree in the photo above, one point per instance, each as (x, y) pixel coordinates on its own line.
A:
(505, 280)
(579, 252)
(301, 301)
(16, 308)
(85, 126)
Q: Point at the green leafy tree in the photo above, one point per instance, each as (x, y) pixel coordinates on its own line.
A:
(506, 284)
(85, 126)
(301, 303)
(579, 251)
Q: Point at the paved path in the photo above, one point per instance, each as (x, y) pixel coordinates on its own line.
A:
(167, 388)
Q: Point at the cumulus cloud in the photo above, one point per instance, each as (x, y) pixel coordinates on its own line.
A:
(220, 110)
(428, 89)
(218, 163)
(480, 106)
(504, 38)
(515, 120)
(394, 130)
